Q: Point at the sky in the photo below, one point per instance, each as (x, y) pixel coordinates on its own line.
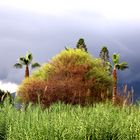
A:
(45, 27)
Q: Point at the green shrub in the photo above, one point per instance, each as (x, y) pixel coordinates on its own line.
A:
(43, 72)
(73, 76)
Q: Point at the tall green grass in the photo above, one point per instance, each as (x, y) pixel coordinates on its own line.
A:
(67, 122)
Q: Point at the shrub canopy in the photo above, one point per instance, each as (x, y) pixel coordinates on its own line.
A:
(73, 76)
(74, 58)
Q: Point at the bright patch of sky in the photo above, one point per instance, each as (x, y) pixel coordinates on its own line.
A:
(111, 9)
(11, 87)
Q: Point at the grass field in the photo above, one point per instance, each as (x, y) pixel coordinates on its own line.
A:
(66, 122)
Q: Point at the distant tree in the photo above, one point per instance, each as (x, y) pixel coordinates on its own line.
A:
(104, 55)
(117, 66)
(26, 61)
(81, 44)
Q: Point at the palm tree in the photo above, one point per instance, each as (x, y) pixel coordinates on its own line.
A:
(119, 66)
(27, 60)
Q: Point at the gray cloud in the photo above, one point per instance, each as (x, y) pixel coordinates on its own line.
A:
(46, 35)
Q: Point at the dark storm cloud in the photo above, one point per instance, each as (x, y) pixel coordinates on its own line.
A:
(46, 35)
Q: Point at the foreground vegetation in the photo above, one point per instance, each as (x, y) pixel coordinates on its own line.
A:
(85, 85)
(67, 122)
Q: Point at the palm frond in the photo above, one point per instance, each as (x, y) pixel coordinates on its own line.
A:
(22, 60)
(118, 66)
(18, 65)
(35, 65)
(123, 65)
(116, 58)
(29, 58)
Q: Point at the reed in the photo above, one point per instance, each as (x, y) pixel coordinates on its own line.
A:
(67, 122)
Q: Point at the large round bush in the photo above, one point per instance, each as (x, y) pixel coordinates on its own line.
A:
(73, 76)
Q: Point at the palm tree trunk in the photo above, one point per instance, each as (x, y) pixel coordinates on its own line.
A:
(114, 85)
(27, 71)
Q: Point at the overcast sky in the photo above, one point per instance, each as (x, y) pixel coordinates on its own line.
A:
(44, 27)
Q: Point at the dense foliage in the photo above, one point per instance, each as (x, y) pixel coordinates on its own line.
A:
(66, 122)
(31, 89)
(73, 76)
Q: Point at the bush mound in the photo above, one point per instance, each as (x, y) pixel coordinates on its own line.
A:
(73, 76)
(31, 89)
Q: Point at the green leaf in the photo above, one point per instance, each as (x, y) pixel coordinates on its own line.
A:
(18, 65)
(123, 65)
(35, 65)
(115, 58)
(22, 60)
(117, 66)
(30, 57)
